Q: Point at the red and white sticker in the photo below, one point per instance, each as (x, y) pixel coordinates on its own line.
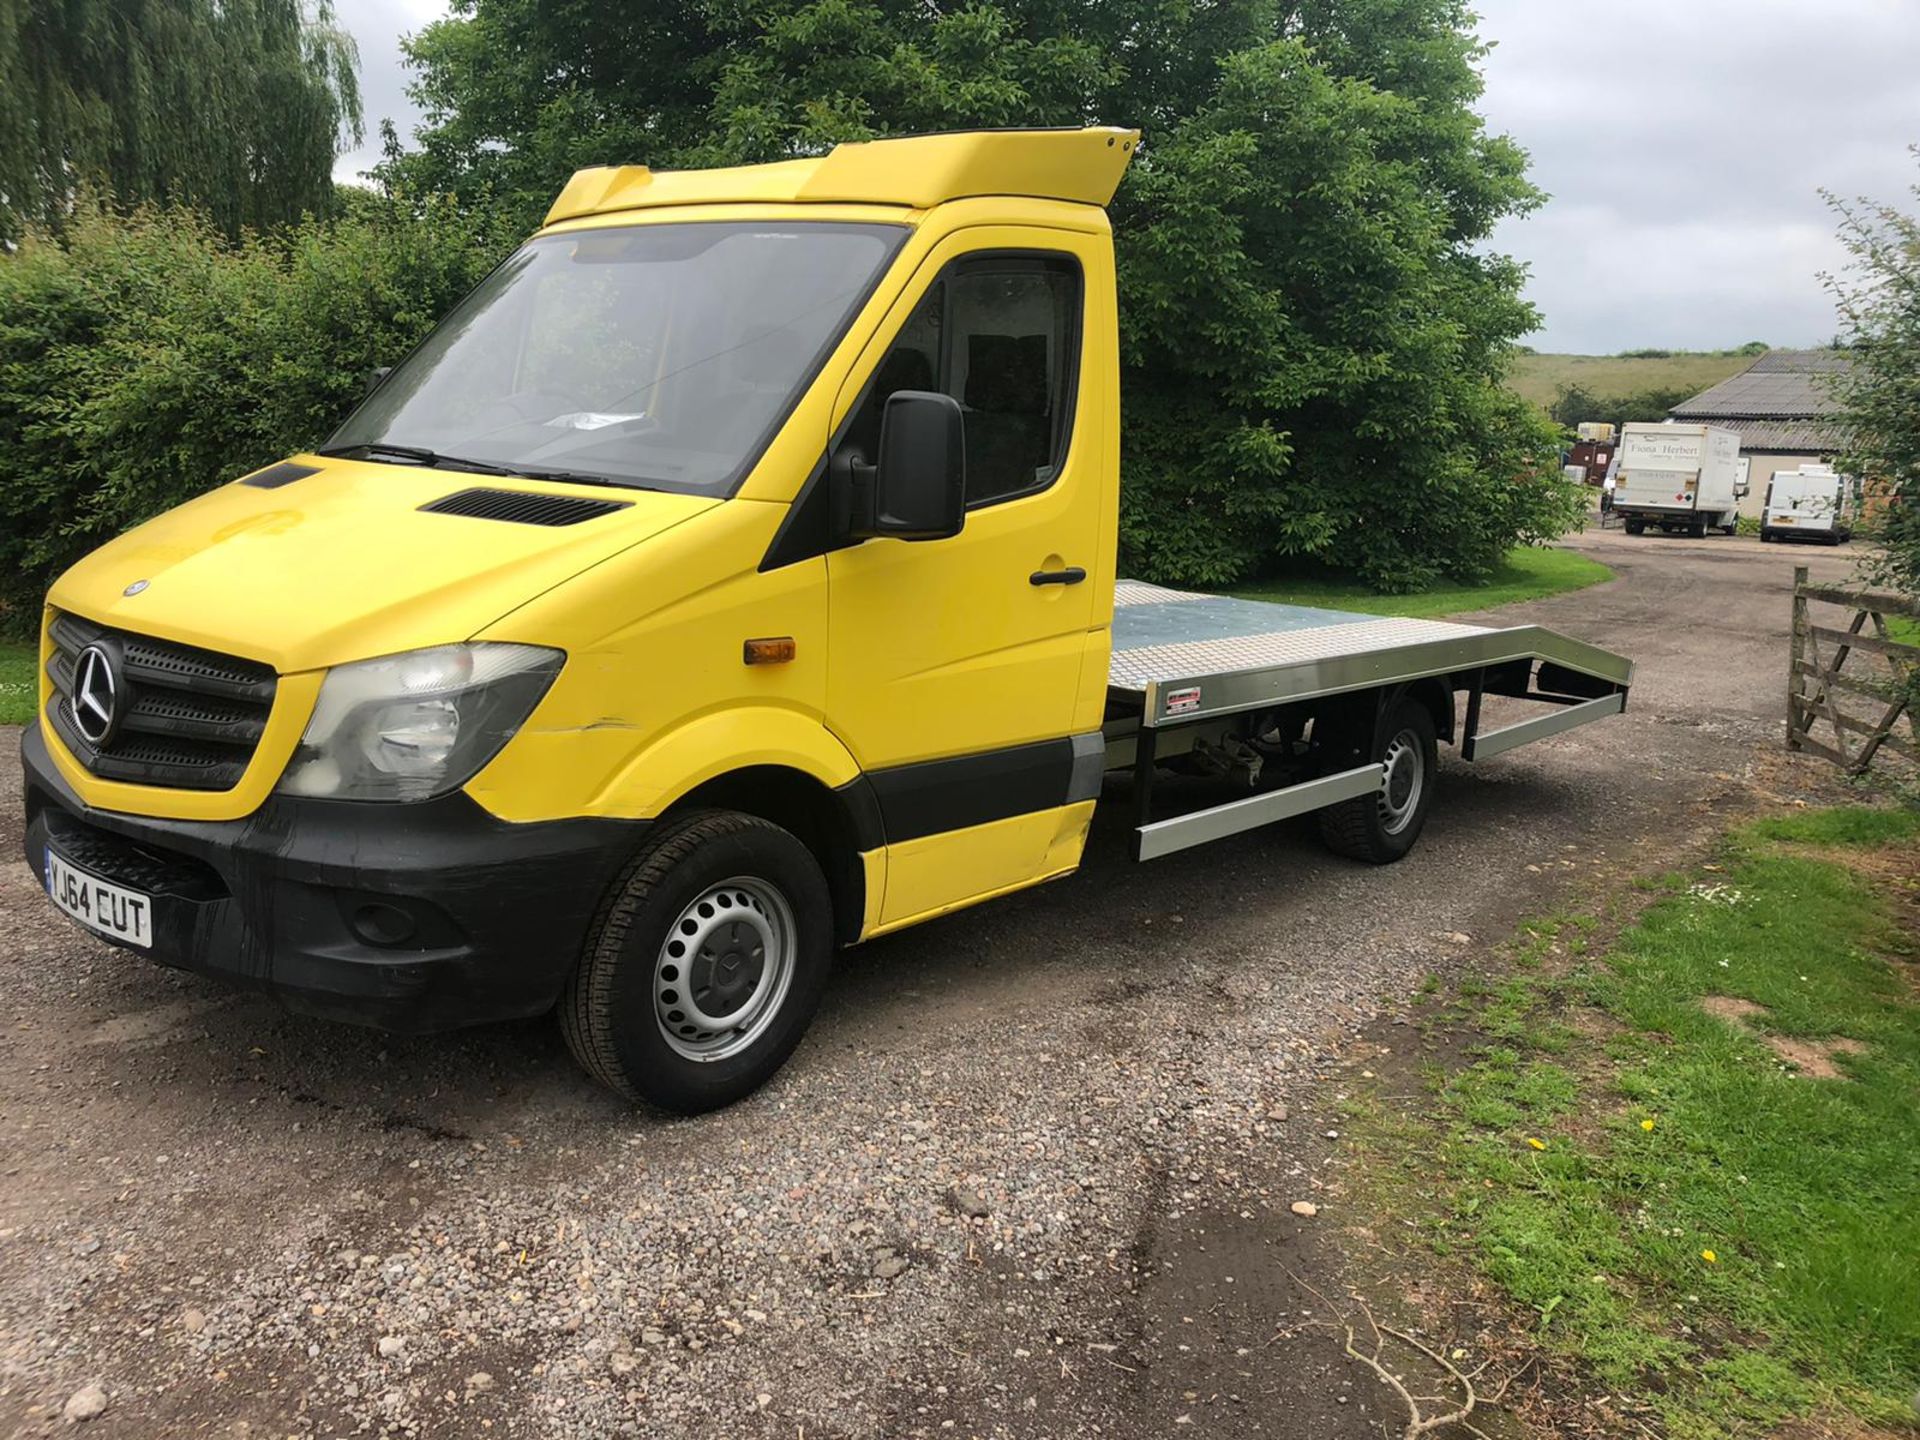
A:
(1181, 702)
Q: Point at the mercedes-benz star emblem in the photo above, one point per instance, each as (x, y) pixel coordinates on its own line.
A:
(136, 587)
(95, 705)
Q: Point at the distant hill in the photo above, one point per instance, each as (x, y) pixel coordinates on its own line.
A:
(1539, 377)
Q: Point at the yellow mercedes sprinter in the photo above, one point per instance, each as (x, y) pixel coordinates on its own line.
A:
(728, 578)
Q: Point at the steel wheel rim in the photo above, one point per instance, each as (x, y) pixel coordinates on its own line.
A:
(1404, 781)
(723, 972)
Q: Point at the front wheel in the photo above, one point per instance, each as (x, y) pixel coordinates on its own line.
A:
(705, 964)
(1380, 828)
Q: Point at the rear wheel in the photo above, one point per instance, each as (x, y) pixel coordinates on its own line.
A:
(705, 965)
(1634, 525)
(1381, 827)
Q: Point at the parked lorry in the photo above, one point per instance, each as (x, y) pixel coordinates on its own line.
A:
(729, 578)
(1685, 479)
(1811, 502)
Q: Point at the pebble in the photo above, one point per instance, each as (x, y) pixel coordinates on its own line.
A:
(390, 1346)
(651, 1336)
(193, 1321)
(891, 1266)
(968, 1202)
(478, 1382)
(85, 1403)
(1304, 1208)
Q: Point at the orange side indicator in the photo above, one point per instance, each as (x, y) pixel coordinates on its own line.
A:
(775, 650)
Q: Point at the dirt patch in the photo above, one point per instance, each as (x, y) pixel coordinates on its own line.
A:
(1732, 1009)
(1812, 1058)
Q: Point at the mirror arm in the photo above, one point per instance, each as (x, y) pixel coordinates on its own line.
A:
(856, 496)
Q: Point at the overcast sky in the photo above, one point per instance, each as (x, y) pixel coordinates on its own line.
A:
(1684, 144)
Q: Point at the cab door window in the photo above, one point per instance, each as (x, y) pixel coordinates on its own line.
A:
(1000, 334)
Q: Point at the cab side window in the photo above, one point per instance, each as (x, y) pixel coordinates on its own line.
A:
(1000, 334)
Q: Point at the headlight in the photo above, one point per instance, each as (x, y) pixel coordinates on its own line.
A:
(416, 725)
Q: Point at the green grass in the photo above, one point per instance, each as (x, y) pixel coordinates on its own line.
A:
(19, 686)
(1539, 377)
(1699, 1224)
(1529, 574)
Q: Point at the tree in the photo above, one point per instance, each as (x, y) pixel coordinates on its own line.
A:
(1880, 391)
(1313, 332)
(238, 106)
(1575, 403)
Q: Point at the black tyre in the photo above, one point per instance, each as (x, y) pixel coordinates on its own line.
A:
(1634, 525)
(704, 966)
(1767, 536)
(1380, 828)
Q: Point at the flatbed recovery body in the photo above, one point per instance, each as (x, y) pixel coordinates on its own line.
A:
(1183, 661)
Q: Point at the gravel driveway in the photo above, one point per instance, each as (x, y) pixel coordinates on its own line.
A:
(1030, 1175)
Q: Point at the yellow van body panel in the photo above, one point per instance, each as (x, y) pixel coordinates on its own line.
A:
(344, 564)
(922, 885)
(1079, 166)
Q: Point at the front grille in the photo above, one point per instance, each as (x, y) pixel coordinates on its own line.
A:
(146, 868)
(188, 719)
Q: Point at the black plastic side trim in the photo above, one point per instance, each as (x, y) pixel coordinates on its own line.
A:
(861, 807)
(274, 476)
(939, 795)
(807, 529)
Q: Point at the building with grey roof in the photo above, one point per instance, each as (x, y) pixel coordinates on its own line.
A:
(1783, 408)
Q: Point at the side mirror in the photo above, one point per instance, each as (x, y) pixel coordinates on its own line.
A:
(376, 376)
(918, 490)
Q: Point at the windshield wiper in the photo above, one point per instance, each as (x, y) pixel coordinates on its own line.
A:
(420, 455)
(576, 477)
(433, 459)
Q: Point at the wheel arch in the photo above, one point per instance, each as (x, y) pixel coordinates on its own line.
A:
(837, 825)
(1436, 695)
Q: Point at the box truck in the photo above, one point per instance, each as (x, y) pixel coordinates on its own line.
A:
(1811, 502)
(729, 578)
(1684, 479)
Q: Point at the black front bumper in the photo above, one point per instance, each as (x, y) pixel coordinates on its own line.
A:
(405, 917)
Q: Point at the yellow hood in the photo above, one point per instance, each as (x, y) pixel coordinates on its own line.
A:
(343, 564)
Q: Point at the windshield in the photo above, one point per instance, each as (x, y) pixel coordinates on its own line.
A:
(662, 356)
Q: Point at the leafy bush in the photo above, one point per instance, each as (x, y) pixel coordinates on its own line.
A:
(144, 359)
(1575, 403)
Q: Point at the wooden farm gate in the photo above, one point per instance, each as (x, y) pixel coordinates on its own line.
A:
(1852, 681)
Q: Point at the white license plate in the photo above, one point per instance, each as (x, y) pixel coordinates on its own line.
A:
(110, 909)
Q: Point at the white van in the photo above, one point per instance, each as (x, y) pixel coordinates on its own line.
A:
(1814, 502)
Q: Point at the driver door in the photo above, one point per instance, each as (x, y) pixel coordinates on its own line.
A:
(958, 668)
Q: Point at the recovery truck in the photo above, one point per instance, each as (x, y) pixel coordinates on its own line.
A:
(729, 578)
(1687, 479)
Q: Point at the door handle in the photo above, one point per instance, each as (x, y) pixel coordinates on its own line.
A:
(1072, 575)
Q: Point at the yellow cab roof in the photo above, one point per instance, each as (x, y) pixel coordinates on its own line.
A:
(916, 172)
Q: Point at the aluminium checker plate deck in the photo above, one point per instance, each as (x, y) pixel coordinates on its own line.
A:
(1188, 656)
